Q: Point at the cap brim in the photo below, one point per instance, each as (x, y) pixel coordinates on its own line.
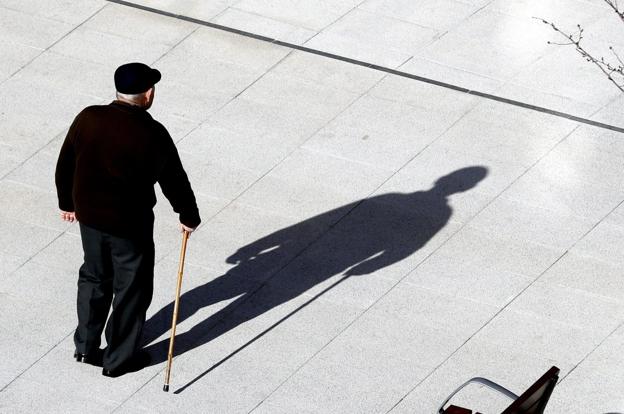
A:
(155, 76)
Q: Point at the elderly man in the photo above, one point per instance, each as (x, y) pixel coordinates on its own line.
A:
(107, 168)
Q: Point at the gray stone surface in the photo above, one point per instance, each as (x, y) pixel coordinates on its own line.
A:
(61, 10)
(587, 274)
(596, 369)
(373, 38)
(314, 16)
(373, 129)
(249, 21)
(507, 366)
(29, 205)
(332, 271)
(519, 222)
(539, 336)
(439, 15)
(469, 279)
(24, 240)
(603, 243)
(42, 33)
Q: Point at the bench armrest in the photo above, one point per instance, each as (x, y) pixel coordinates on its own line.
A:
(482, 381)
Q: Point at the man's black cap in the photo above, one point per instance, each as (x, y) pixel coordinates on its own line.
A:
(134, 78)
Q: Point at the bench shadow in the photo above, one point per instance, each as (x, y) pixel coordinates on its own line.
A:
(356, 239)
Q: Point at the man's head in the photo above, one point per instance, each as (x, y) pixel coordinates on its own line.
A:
(135, 84)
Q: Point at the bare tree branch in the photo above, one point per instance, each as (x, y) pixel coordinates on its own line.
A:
(614, 72)
(616, 55)
(614, 5)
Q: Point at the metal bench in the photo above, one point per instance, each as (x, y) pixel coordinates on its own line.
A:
(532, 401)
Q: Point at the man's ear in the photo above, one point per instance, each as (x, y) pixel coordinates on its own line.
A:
(149, 94)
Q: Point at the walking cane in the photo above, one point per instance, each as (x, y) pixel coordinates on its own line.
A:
(185, 235)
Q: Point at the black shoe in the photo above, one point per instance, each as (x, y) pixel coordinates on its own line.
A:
(139, 361)
(113, 373)
(93, 358)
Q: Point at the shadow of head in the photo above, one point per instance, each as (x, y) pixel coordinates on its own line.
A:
(460, 180)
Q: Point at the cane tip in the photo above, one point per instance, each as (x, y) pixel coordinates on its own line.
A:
(166, 388)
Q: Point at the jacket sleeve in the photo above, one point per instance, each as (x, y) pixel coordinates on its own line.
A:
(65, 166)
(176, 187)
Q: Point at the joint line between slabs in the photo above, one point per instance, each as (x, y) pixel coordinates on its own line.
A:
(621, 324)
(30, 62)
(283, 267)
(373, 66)
(53, 44)
(519, 293)
(34, 363)
(344, 278)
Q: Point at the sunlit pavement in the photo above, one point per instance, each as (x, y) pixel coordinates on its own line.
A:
(397, 196)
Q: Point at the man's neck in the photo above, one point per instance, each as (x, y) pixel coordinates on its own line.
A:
(126, 101)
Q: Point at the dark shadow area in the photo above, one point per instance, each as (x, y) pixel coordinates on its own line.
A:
(356, 239)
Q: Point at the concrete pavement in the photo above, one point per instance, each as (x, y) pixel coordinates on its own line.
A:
(337, 270)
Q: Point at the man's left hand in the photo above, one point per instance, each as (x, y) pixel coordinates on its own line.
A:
(187, 229)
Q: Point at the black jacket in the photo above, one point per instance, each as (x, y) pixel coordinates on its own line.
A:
(108, 165)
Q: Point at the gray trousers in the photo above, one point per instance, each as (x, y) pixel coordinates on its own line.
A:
(117, 271)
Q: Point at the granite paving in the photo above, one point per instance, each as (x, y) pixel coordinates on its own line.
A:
(396, 196)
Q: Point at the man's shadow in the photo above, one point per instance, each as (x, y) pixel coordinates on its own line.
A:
(353, 240)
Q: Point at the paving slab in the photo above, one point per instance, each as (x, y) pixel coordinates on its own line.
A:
(587, 274)
(543, 75)
(438, 15)
(15, 56)
(154, 28)
(64, 11)
(368, 36)
(257, 153)
(249, 21)
(92, 44)
(299, 96)
(199, 10)
(596, 369)
(602, 243)
(286, 335)
(32, 323)
(36, 171)
(11, 158)
(492, 251)
(484, 45)
(29, 205)
(23, 239)
(44, 32)
(570, 306)
(520, 222)
(462, 277)
(539, 336)
(60, 254)
(314, 16)
(316, 183)
(254, 118)
(374, 129)
(499, 53)
(381, 354)
(509, 367)
(341, 266)
(556, 185)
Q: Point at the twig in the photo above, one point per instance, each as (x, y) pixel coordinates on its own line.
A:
(610, 70)
(614, 5)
